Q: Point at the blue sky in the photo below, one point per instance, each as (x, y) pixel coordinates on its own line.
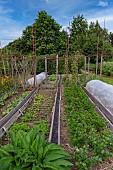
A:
(16, 15)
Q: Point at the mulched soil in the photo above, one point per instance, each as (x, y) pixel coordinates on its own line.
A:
(107, 165)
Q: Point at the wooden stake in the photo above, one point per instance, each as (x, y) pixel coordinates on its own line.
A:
(46, 66)
(57, 66)
(88, 66)
(33, 55)
(97, 52)
(101, 67)
(85, 65)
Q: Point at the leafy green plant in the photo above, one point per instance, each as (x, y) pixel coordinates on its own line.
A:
(90, 137)
(7, 95)
(41, 126)
(20, 126)
(108, 68)
(14, 103)
(31, 152)
(28, 119)
(52, 77)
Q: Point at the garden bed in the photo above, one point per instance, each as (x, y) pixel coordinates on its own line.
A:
(9, 102)
(91, 139)
(84, 134)
(38, 114)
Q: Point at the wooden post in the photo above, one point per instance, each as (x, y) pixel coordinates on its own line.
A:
(85, 66)
(67, 52)
(57, 66)
(12, 65)
(88, 66)
(97, 51)
(97, 65)
(66, 58)
(101, 64)
(46, 66)
(2, 59)
(33, 55)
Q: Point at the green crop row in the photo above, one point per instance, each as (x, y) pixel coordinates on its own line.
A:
(91, 139)
(14, 103)
(7, 95)
(28, 150)
(28, 119)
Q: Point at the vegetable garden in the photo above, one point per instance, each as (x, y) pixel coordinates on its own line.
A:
(86, 139)
(25, 145)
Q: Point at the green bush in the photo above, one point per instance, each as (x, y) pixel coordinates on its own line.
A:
(52, 77)
(108, 68)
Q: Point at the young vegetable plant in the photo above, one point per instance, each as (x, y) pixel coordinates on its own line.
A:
(92, 140)
(14, 103)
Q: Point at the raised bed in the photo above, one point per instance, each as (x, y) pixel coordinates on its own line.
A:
(39, 110)
(91, 138)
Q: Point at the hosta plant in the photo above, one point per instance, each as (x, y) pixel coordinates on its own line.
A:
(29, 151)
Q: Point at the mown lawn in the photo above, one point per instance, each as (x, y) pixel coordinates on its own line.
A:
(108, 80)
(84, 79)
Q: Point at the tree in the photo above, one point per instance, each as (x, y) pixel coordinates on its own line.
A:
(47, 34)
(93, 39)
(26, 40)
(97, 40)
(63, 41)
(78, 33)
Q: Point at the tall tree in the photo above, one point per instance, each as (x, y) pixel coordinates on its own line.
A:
(78, 33)
(47, 34)
(97, 40)
(93, 39)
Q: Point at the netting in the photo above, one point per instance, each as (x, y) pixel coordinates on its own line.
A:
(39, 78)
(102, 91)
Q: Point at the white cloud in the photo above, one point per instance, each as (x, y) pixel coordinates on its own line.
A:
(107, 18)
(9, 36)
(10, 30)
(103, 3)
(101, 15)
(102, 18)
